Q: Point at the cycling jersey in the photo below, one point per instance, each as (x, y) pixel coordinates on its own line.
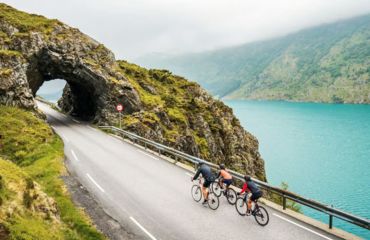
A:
(205, 171)
(250, 186)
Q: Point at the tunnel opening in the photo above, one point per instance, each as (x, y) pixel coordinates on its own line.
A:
(52, 90)
(73, 98)
(81, 94)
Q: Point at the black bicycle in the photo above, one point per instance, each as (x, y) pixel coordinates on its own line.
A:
(196, 193)
(260, 213)
(230, 193)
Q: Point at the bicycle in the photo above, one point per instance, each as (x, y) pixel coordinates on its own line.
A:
(218, 190)
(260, 213)
(196, 193)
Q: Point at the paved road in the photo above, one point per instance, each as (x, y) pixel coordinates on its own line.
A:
(151, 197)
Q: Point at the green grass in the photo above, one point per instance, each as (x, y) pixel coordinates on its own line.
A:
(5, 72)
(29, 227)
(37, 154)
(10, 53)
(25, 22)
(176, 115)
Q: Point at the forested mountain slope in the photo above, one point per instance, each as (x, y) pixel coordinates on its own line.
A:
(328, 63)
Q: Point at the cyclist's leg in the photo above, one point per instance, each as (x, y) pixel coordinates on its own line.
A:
(222, 182)
(254, 198)
(204, 192)
(205, 189)
(227, 183)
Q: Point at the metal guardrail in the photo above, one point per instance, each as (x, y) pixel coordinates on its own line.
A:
(332, 212)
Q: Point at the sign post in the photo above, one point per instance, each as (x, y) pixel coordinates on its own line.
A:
(119, 108)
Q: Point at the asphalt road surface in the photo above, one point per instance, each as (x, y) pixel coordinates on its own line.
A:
(151, 197)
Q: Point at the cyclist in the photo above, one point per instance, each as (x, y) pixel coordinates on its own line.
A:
(250, 186)
(208, 179)
(226, 177)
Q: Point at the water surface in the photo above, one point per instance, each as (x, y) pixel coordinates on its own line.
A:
(321, 150)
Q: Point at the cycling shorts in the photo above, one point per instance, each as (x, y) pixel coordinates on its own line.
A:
(206, 183)
(256, 196)
(228, 182)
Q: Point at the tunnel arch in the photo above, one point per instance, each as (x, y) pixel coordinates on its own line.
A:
(82, 95)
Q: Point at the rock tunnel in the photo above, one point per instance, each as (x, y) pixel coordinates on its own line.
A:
(82, 94)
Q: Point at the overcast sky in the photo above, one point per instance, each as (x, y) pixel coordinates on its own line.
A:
(132, 28)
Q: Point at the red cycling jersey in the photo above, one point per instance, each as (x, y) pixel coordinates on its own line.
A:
(245, 187)
(252, 187)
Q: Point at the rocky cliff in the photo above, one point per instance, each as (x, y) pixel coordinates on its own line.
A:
(158, 105)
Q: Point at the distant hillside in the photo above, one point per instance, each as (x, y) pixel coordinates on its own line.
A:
(328, 63)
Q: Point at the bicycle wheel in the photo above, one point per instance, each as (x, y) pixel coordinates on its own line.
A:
(216, 189)
(213, 201)
(261, 215)
(241, 206)
(196, 193)
(231, 196)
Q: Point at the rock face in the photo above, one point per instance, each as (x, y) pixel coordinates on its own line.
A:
(157, 104)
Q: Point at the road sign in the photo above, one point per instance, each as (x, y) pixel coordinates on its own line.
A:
(119, 107)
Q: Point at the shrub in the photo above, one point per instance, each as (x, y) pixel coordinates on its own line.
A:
(289, 204)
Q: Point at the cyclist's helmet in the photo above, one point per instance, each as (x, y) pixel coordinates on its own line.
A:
(200, 163)
(222, 166)
(247, 178)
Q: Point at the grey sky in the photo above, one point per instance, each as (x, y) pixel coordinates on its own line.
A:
(132, 28)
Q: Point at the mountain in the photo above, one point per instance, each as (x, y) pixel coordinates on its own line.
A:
(157, 104)
(327, 63)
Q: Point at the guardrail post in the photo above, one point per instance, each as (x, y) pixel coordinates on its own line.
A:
(330, 221)
(284, 202)
(159, 152)
(145, 145)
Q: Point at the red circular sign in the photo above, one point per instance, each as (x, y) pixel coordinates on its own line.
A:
(119, 107)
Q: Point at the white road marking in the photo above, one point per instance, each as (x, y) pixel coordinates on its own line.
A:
(142, 228)
(93, 181)
(149, 155)
(305, 228)
(74, 155)
(75, 120)
(189, 174)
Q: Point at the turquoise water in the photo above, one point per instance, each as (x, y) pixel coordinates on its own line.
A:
(321, 150)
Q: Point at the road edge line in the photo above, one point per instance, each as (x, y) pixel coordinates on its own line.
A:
(74, 155)
(142, 228)
(303, 227)
(96, 184)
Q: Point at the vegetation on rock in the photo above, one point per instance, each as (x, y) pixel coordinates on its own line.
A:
(157, 104)
(34, 203)
(328, 63)
(180, 114)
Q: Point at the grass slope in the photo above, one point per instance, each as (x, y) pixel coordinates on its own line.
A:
(34, 201)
